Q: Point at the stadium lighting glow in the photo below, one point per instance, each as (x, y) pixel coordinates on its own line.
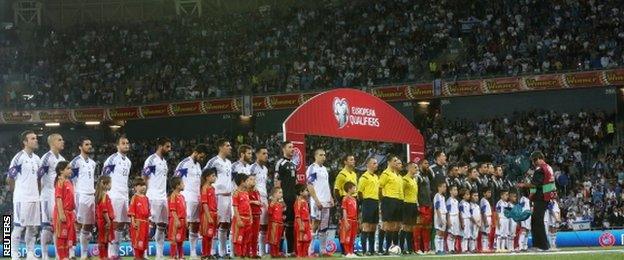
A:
(92, 123)
(114, 126)
(423, 103)
(52, 124)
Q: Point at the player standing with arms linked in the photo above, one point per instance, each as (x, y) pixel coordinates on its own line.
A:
(118, 167)
(47, 174)
(83, 172)
(286, 178)
(224, 186)
(155, 171)
(22, 178)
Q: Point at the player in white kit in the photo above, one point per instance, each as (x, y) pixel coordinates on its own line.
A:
(243, 165)
(117, 166)
(453, 227)
(261, 172)
(83, 177)
(22, 180)
(475, 212)
(154, 173)
(552, 220)
(513, 200)
(525, 226)
(190, 171)
(321, 199)
(502, 229)
(439, 217)
(486, 218)
(46, 175)
(223, 188)
(465, 215)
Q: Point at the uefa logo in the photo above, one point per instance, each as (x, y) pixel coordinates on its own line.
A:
(296, 158)
(606, 239)
(341, 111)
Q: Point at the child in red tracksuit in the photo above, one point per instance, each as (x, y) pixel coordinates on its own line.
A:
(139, 213)
(303, 230)
(64, 216)
(349, 223)
(256, 210)
(208, 210)
(241, 218)
(104, 215)
(177, 219)
(276, 222)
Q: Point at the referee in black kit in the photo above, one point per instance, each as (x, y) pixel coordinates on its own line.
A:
(287, 179)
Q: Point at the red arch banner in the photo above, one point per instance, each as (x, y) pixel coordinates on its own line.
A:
(350, 114)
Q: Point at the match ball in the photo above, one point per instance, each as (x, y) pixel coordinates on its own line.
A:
(394, 250)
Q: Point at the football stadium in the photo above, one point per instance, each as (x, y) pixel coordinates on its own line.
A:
(223, 129)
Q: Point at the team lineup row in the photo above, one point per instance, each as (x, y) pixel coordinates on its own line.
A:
(203, 201)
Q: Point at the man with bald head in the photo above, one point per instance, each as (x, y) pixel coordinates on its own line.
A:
(46, 175)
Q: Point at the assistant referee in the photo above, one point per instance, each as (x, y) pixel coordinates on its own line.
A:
(368, 191)
(391, 185)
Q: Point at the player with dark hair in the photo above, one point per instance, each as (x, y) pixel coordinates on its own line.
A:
(286, 178)
(224, 186)
(190, 171)
(155, 171)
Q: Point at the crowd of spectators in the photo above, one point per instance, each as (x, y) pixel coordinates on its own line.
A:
(581, 148)
(335, 44)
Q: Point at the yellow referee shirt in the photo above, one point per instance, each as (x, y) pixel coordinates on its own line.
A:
(343, 177)
(369, 186)
(391, 184)
(410, 189)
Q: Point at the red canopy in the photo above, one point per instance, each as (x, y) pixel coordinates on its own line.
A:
(351, 114)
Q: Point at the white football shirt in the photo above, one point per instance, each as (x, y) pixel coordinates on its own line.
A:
(23, 169)
(118, 167)
(318, 176)
(155, 167)
(83, 175)
(47, 174)
(190, 171)
(262, 177)
(223, 167)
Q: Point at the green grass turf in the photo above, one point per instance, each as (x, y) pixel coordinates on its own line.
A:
(571, 253)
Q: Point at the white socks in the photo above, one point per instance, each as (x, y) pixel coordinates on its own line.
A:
(464, 245)
(46, 237)
(439, 243)
(159, 236)
(510, 243)
(222, 241)
(553, 239)
(485, 242)
(262, 243)
(193, 246)
(114, 246)
(85, 236)
(472, 244)
(323, 242)
(450, 243)
(30, 238)
(15, 241)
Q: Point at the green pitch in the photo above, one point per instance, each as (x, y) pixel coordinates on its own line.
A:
(572, 253)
